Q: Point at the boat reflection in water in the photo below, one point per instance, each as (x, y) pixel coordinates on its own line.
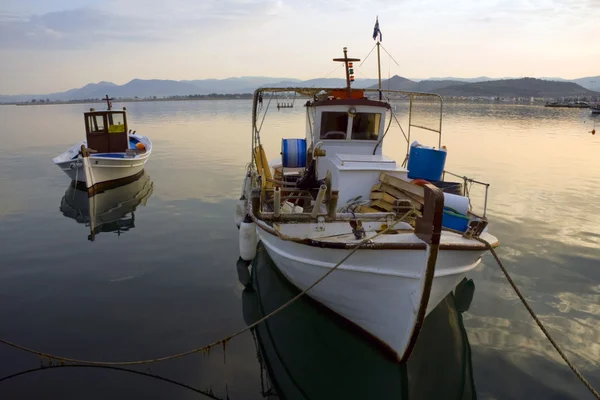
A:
(109, 208)
(309, 352)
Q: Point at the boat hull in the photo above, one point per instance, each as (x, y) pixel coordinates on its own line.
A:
(103, 168)
(301, 346)
(379, 291)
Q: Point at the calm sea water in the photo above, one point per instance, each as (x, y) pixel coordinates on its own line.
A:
(165, 278)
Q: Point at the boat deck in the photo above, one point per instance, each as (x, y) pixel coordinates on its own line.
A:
(405, 239)
(133, 141)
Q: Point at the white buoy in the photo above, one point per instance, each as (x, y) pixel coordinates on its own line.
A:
(240, 211)
(247, 239)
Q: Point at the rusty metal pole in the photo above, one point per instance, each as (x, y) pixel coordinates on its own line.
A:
(347, 71)
(379, 70)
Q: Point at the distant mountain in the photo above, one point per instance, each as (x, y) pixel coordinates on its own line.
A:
(469, 80)
(88, 91)
(433, 86)
(395, 83)
(481, 86)
(525, 87)
(324, 82)
(591, 82)
(244, 84)
(399, 83)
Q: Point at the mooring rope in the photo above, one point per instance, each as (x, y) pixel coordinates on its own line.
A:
(536, 319)
(302, 293)
(222, 341)
(147, 374)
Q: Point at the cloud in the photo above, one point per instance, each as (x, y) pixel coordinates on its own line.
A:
(188, 10)
(71, 29)
(134, 21)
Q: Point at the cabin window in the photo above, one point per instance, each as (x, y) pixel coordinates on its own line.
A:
(96, 123)
(334, 125)
(115, 123)
(365, 126)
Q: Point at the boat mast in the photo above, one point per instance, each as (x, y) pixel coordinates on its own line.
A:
(379, 70)
(375, 32)
(346, 60)
(108, 102)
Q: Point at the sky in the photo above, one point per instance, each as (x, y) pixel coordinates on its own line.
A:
(51, 46)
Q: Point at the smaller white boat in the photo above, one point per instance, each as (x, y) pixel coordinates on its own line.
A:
(110, 151)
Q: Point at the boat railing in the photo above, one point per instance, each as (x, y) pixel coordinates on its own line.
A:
(466, 188)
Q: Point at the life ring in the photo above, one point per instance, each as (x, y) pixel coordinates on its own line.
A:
(419, 182)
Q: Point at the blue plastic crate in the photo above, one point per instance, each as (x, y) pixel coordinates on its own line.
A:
(454, 220)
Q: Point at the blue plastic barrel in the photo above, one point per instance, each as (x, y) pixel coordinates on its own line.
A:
(426, 163)
(293, 153)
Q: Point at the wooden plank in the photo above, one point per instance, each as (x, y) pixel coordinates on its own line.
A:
(415, 200)
(383, 196)
(382, 187)
(402, 185)
(367, 209)
(383, 205)
(398, 194)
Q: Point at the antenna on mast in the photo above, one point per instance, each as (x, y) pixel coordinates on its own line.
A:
(349, 69)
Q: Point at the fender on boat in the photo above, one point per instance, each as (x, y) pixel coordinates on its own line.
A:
(240, 211)
(248, 239)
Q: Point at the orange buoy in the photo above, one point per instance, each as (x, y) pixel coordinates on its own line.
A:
(593, 131)
(140, 146)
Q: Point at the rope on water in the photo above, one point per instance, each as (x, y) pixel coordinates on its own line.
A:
(537, 320)
(220, 341)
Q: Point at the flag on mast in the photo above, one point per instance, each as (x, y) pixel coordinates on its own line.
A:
(376, 30)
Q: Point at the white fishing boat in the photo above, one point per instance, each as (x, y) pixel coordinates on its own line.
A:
(110, 151)
(334, 189)
(595, 108)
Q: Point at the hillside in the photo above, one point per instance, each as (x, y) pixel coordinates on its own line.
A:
(590, 82)
(244, 84)
(164, 88)
(395, 83)
(399, 83)
(483, 86)
(525, 87)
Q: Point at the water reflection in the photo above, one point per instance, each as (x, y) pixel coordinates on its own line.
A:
(545, 175)
(306, 351)
(109, 210)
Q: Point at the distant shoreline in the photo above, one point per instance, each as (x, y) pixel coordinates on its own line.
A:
(249, 97)
(98, 101)
(537, 102)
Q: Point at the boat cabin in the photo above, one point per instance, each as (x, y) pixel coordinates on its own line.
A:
(350, 130)
(106, 131)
